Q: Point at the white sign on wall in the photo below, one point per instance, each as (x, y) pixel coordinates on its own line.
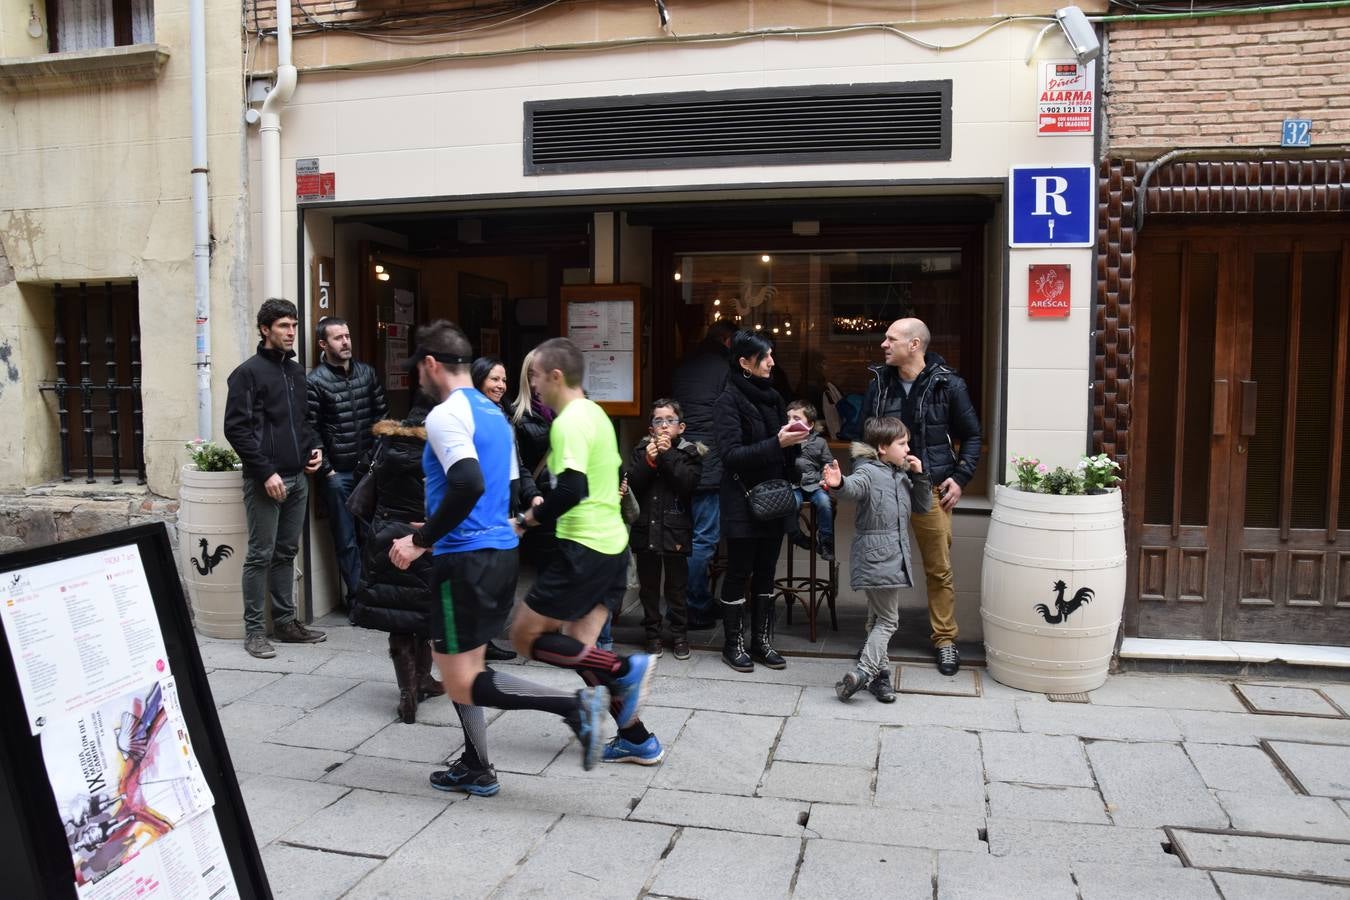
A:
(1066, 97)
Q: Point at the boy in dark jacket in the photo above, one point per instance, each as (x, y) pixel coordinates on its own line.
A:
(662, 472)
(811, 466)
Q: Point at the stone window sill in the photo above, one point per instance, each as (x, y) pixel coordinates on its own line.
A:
(104, 67)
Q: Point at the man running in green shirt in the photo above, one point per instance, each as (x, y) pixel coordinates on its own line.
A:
(588, 576)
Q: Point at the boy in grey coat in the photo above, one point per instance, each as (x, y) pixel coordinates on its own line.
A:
(888, 484)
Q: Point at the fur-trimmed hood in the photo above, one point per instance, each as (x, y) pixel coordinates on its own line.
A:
(395, 428)
(859, 450)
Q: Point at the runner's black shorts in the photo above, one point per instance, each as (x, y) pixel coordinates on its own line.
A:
(576, 580)
(471, 597)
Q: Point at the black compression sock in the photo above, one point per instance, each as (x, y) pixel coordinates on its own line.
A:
(503, 691)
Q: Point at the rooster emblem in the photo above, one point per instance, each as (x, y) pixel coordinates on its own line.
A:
(1064, 607)
(209, 561)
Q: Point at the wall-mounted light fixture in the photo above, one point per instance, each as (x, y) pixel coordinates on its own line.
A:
(34, 23)
(1078, 31)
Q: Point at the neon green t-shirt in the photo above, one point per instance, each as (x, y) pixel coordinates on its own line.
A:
(582, 439)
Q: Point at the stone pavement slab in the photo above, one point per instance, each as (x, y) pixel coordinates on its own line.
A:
(1261, 887)
(1339, 694)
(897, 827)
(1286, 699)
(416, 742)
(578, 858)
(228, 685)
(813, 781)
(367, 665)
(276, 805)
(667, 723)
(1112, 881)
(1150, 784)
(1323, 770)
(1292, 814)
(829, 741)
(528, 741)
(906, 777)
(341, 724)
(719, 753)
(801, 670)
(748, 697)
(392, 776)
(1152, 691)
(367, 822)
(970, 876)
(1035, 759)
(748, 815)
(473, 846)
(304, 691)
(1101, 722)
(292, 872)
(910, 679)
(1227, 728)
(1042, 801)
(912, 709)
(218, 654)
(1264, 855)
(1246, 769)
(573, 796)
(1089, 843)
(834, 869)
(712, 865)
(265, 758)
(250, 721)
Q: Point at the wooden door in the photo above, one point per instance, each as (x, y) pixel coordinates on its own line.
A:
(1240, 482)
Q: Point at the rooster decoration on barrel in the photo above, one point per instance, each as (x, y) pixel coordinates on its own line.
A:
(1063, 608)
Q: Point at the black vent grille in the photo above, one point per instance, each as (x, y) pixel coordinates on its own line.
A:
(774, 126)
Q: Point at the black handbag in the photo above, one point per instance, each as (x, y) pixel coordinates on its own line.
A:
(361, 501)
(769, 500)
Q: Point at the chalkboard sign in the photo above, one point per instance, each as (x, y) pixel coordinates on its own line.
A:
(115, 779)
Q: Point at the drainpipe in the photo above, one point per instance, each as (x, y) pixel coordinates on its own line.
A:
(201, 217)
(270, 137)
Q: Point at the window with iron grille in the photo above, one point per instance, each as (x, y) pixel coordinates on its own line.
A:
(92, 24)
(97, 384)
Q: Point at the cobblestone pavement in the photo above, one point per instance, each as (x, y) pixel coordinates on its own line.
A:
(1159, 786)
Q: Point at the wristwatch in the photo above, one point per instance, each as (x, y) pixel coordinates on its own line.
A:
(520, 521)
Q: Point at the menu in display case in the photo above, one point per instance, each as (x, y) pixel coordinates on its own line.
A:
(605, 322)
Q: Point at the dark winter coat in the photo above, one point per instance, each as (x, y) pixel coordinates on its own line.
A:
(388, 598)
(811, 463)
(343, 405)
(532, 445)
(265, 415)
(886, 497)
(746, 420)
(937, 412)
(663, 493)
(697, 383)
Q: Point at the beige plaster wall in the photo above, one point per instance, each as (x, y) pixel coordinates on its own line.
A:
(97, 186)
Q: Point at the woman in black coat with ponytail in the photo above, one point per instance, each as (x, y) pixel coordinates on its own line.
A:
(750, 421)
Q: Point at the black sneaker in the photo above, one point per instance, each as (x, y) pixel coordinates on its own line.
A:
(949, 659)
(461, 777)
(851, 683)
(498, 654)
(881, 686)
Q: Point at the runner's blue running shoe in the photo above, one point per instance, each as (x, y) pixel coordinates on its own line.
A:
(461, 777)
(593, 702)
(631, 689)
(648, 753)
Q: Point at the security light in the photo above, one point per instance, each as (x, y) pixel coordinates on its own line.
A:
(1079, 33)
(34, 23)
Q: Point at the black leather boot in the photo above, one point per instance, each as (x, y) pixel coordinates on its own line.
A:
(761, 641)
(427, 685)
(733, 647)
(403, 651)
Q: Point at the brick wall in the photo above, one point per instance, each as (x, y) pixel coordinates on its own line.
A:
(1227, 81)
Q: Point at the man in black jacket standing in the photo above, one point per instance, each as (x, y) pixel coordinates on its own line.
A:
(345, 400)
(698, 382)
(265, 424)
(932, 401)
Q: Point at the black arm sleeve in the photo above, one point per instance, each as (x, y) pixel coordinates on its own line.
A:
(463, 487)
(571, 489)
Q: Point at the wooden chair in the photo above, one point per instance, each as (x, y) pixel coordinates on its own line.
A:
(816, 587)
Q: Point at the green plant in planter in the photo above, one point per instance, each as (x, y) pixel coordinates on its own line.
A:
(1099, 473)
(1062, 481)
(1028, 471)
(208, 456)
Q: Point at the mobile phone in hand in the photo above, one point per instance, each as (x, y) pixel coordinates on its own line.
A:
(798, 426)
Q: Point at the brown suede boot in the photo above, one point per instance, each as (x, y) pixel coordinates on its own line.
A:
(403, 652)
(427, 685)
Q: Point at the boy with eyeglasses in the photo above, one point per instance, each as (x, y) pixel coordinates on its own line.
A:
(663, 470)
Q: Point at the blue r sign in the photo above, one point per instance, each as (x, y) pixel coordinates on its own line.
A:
(1051, 206)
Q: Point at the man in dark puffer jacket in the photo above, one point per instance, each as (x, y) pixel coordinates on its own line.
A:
(931, 399)
(345, 400)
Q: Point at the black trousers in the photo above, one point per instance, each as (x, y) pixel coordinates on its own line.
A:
(752, 560)
(675, 567)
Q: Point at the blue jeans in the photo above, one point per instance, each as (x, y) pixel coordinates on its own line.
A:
(706, 510)
(824, 516)
(273, 537)
(337, 487)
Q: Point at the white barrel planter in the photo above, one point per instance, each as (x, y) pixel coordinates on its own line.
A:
(212, 541)
(1053, 589)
